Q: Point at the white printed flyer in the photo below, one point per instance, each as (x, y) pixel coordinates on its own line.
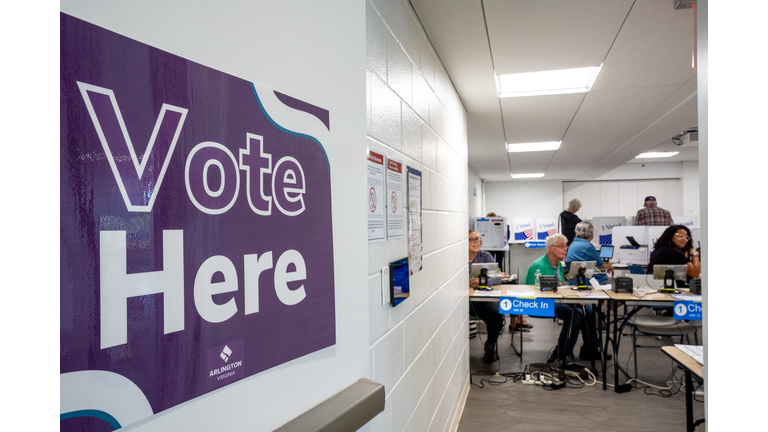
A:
(395, 226)
(415, 247)
(376, 213)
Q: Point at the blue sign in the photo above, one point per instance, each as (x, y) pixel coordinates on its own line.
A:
(527, 306)
(534, 244)
(688, 310)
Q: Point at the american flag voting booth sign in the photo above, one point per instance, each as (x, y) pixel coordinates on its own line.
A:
(545, 227)
(604, 226)
(522, 229)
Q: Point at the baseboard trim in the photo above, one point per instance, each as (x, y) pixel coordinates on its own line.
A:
(460, 409)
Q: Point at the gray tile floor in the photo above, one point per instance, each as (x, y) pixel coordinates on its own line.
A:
(507, 406)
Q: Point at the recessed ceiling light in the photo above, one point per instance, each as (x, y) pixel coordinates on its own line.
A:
(529, 175)
(656, 155)
(532, 147)
(562, 81)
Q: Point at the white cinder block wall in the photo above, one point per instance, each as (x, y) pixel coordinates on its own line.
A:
(476, 195)
(419, 349)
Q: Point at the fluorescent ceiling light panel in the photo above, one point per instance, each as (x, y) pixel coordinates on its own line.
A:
(656, 155)
(532, 147)
(529, 175)
(562, 81)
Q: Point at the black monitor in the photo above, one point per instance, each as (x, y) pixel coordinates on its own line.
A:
(582, 271)
(491, 268)
(399, 286)
(669, 273)
(606, 252)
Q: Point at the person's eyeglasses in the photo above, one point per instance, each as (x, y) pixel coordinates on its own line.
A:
(561, 246)
(475, 240)
(683, 236)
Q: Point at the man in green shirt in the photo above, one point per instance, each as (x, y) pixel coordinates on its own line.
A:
(550, 265)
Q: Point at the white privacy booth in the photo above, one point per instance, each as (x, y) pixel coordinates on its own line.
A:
(604, 226)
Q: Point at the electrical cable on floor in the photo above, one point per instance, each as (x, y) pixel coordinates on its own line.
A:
(663, 392)
(515, 377)
(546, 377)
(578, 376)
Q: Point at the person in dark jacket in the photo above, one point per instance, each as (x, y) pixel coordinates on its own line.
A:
(675, 246)
(568, 220)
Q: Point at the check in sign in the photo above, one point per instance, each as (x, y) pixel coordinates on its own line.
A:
(688, 310)
(527, 306)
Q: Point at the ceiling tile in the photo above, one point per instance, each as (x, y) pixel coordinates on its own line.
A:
(528, 36)
(644, 95)
(490, 162)
(539, 118)
(529, 162)
(608, 114)
(563, 171)
(484, 129)
(457, 30)
(654, 48)
(580, 152)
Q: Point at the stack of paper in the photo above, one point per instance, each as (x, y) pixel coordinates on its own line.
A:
(511, 293)
(479, 293)
(687, 297)
(593, 294)
(695, 351)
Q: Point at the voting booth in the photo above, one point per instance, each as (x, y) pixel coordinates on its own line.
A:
(522, 229)
(545, 227)
(687, 221)
(604, 228)
(493, 231)
(696, 235)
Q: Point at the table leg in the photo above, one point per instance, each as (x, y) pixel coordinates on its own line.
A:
(514, 348)
(594, 343)
(615, 350)
(599, 338)
(689, 402)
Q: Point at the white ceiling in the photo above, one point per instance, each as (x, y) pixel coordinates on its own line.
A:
(645, 93)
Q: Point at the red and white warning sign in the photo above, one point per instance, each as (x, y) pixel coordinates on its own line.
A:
(395, 226)
(376, 194)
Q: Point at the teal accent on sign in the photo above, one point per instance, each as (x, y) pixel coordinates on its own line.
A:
(92, 413)
(266, 114)
(688, 310)
(527, 306)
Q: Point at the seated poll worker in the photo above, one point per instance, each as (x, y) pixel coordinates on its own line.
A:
(549, 265)
(486, 311)
(675, 246)
(582, 250)
(516, 322)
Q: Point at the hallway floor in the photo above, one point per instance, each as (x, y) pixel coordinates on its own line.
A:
(508, 406)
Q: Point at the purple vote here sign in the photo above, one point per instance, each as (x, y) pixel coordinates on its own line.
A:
(196, 241)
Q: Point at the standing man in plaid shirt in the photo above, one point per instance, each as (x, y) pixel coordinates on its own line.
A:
(652, 215)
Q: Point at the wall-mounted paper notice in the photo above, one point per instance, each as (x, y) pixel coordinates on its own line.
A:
(375, 196)
(395, 227)
(414, 220)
